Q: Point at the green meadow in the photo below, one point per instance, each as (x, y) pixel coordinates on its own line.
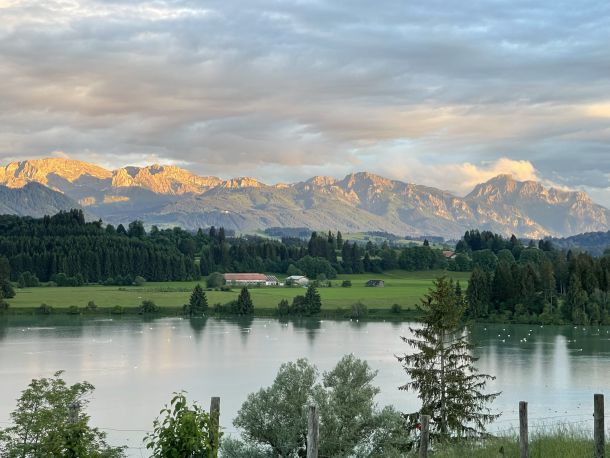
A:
(401, 287)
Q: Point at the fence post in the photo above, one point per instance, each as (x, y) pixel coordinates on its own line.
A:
(313, 431)
(523, 440)
(215, 421)
(424, 437)
(599, 433)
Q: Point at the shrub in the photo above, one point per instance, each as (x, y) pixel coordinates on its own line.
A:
(139, 281)
(117, 310)
(396, 308)
(346, 284)
(215, 280)
(45, 309)
(91, 306)
(183, 431)
(28, 280)
(358, 310)
(148, 306)
(73, 310)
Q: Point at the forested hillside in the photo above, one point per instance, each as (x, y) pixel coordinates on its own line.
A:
(87, 252)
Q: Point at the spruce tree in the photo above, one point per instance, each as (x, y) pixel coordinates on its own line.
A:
(244, 302)
(442, 371)
(312, 300)
(198, 303)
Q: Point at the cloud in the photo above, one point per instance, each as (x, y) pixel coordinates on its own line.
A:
(281, 90)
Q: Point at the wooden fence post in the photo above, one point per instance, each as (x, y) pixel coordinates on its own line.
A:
(523, 440)
(313, 431)
(215, 421)
(424, 437)
(599, 433)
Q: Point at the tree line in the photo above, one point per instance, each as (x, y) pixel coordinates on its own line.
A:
(535, 282)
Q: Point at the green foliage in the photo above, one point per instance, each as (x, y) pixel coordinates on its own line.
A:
(139, 281)
(91, 306)
(43, 427)
(312, 267)
(148, 306)
(215, 280)
(283, 308)
(273, 421)
(44, 309)
(396, 308)
(244, 305)
(66, 244)
(183, 431)
(441, 370)
(73, 310)
(307, 305)
(358, 311)
(27, 280)
(198, 302)
(3, 304)
(117, 310)
(478, 293)
(346, 284)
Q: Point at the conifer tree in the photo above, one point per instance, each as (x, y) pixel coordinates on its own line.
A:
(442, 370)
(244, 302)
(198, 303)
(313, 300)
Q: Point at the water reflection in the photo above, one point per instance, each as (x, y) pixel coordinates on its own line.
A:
(137, 363)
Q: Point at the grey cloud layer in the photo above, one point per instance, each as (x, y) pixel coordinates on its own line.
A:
(281, 88)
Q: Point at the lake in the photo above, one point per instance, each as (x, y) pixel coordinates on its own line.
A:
(136, 364)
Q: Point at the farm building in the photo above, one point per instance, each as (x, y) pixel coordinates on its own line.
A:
(297, 280)
(449, 254)
(250, 279)
(375, 283)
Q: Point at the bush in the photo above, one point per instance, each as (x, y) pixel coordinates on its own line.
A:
(28, 280)
(358, 310)
(346, 284)
(215, 280)
(226, 288)
(396, 308)
(183, 431)
(45, 309)
(117, 310)
(73, 310)
(148, 306)
(91, 306)
(139, 281)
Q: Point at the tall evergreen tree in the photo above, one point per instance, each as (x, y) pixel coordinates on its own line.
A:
(198, 302)
(244, 303)
(478, 294)
(442, 370)
(312, 300)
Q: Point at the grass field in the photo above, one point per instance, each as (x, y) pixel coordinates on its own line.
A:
(403, 288)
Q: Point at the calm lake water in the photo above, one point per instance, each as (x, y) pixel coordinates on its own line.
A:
(135, 365)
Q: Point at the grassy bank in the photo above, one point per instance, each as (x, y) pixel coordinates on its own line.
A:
(402, 288)
(561, 442)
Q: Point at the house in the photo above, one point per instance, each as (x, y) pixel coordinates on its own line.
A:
(297, 280)
(251, 279)
(449, 254)
(375, 284)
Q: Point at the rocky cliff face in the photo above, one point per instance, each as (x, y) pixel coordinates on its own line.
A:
(168, 195)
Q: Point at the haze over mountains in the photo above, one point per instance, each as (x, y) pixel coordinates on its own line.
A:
(169, 195)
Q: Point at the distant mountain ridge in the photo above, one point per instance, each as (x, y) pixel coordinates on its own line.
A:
(169, 195)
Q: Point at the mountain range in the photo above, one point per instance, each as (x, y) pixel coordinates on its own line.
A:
(168, 195)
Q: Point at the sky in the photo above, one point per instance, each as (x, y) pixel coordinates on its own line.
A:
(443, 93)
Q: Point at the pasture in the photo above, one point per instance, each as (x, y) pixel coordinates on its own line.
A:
(401, 287)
